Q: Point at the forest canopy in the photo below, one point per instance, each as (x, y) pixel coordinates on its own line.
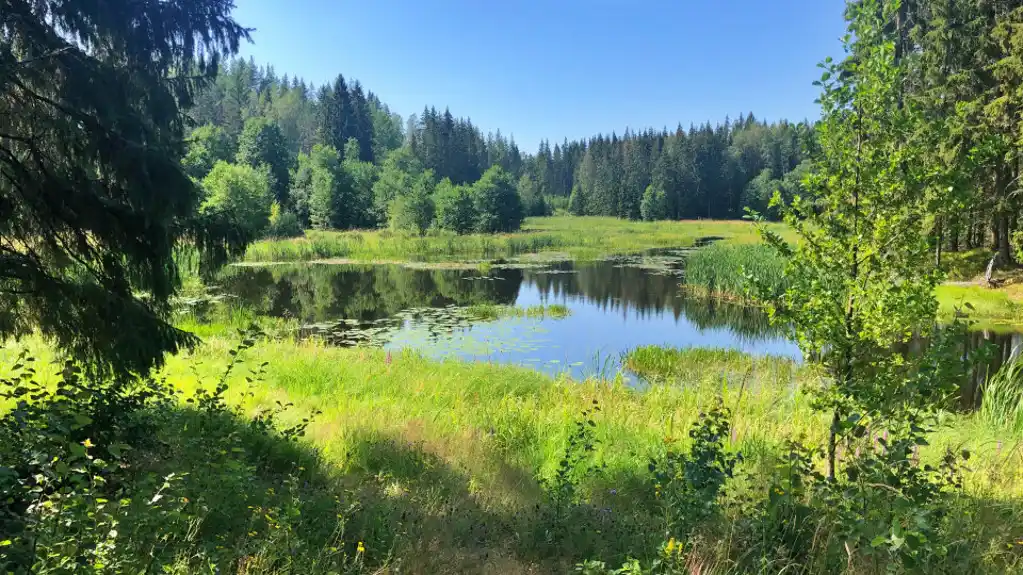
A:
(706, 171)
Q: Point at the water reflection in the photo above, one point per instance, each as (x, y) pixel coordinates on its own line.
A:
(1001, 347)
(616, 305)
(317, 293)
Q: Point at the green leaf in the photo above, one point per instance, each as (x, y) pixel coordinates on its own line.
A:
(77, 450)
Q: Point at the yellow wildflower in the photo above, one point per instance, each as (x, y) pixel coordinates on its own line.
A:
(360, 548)
(671, 546)
(88, 443)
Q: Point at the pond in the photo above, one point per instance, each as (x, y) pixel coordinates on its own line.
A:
(614, 306)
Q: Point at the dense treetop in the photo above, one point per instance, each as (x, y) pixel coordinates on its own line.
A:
(93, 198)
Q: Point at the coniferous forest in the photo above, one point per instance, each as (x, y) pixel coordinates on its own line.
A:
(705, 171)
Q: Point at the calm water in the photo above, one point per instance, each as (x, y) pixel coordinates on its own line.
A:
(615, 306)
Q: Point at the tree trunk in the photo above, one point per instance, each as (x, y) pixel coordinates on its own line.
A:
(938, 241)
(995, 235)
(1004, 249)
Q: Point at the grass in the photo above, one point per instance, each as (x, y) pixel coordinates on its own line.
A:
(444, 463)
(578, 238)
(672, 365)
(990, 307)
(721, 270)
(724, 269)
(1003, 398)
(539, 311)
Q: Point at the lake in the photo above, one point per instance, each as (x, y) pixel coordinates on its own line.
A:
(615, 305)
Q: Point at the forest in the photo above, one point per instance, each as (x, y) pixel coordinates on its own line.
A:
(434, 164)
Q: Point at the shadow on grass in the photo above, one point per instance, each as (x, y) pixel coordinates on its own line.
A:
(208, 490)
(265, 503)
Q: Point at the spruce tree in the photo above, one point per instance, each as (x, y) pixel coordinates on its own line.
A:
(93, 198)
(363, 123)
(262, 144)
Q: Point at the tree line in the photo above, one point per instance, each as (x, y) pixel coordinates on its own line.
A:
(336, 157)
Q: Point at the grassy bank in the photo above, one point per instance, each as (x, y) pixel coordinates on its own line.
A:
(572, 237)
(453, 467)
(723, 270)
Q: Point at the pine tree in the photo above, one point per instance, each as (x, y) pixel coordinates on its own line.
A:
(262, 143)
(337, 120)
(363, 123)
(93, 199)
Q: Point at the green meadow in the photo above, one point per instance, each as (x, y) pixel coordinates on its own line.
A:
(577, 238)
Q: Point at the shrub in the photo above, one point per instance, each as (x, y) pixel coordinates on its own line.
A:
(283, 223)
(120, 477)
(688, 485)
(241, 195)
(654, 205)
(498, 206)
(456, 210)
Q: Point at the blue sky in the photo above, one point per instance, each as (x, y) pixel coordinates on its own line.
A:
(559, 68)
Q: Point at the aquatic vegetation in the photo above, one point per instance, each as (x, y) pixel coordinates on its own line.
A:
(578, 237)
(540, 311)
(724, 269)
(674, 366)
(1003, 398)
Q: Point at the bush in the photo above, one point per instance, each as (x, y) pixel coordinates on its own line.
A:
(654, 205)
(456, 210)
(119, 477)
(283, 223)
(241, 195)
(498, 206)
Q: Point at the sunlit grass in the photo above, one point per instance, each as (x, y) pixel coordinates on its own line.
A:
(726, 269)
(566, 236)
(539, 311)
(990, 307)
(462, 441)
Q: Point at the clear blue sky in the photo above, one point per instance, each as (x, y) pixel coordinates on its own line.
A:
(550, 69)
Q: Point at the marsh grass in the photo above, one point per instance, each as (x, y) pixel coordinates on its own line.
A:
(674, 365)
(490, 312)
(725, 269)
(1003, 398)
(577, 237)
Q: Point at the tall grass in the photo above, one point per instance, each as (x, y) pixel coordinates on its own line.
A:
(540, 311)
(445, 460)
(681, 365)
(576, 237)
(1002, 405)
(726, 269)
